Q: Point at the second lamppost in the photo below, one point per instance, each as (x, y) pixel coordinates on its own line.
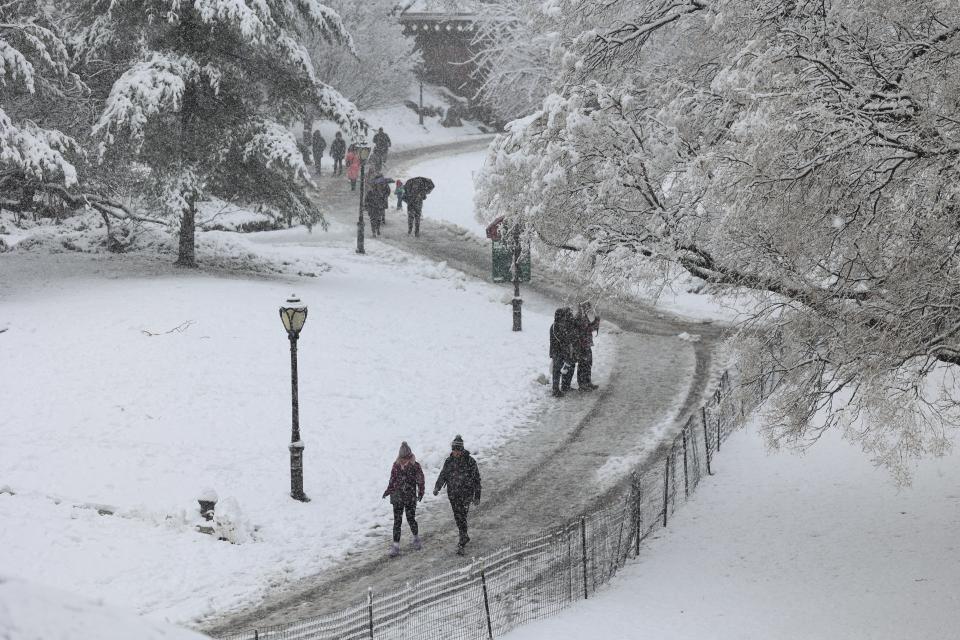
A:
(363, 151)
(294, 314)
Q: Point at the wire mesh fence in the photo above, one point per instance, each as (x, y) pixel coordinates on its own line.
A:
(536, 576)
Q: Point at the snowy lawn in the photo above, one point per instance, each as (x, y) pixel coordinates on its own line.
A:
(793, 548)
(131, 388)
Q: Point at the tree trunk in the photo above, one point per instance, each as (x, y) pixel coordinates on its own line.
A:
(187, 254)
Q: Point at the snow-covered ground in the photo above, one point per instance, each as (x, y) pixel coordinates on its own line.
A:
(130, 387)
(30, 612)
(403, 126)
(777, 545)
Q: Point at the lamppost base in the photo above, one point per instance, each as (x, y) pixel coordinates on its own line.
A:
(296, 472)
(517, 318)
(302, 497)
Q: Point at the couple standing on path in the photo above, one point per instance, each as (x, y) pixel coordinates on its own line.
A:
(571, 347)
(460, 475)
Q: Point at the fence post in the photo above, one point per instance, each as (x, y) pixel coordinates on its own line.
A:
(486, 600)
(706, 437)
(666, 483)
(686, 482)
(583, 545)
(719, 413)
(639, 519)
(370, 609)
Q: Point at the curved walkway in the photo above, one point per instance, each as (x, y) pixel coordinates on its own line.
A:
(541, 476)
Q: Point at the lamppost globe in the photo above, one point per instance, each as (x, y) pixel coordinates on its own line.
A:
(363, 152)
(293, 314)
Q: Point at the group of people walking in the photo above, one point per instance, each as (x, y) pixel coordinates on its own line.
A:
(571, 348)
(460, 476)
(346, 160)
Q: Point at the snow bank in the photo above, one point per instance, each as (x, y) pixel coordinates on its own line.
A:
(782, 546)
(31, 612)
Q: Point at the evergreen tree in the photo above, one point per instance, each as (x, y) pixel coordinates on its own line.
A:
(206, 96)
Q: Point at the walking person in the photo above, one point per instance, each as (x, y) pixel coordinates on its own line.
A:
(337, 150)
(353, 167)
(381, 144)
(398, 191)
(406, 489)
(319, 145)
(461, 476)
(585, 324)
(415, 191)
(376, 202)
(562, 339)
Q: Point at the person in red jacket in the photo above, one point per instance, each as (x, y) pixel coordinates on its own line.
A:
(405, 489)
(353, 167)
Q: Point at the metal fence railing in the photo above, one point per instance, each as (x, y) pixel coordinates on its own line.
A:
(537, 575)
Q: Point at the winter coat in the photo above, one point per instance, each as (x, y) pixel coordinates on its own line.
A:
(381, 141)
(563, 337)
(378, 196)
(319, 144)
(461, 477)
(337, 148)
(398, 191)
(353, 166)
(584, 332)
(407, 484)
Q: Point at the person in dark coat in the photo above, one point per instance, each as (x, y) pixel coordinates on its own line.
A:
(562, 338)
(338, 149)
(376, 202)
(319, 145)
(585, 324)
(461, 476)
(381, 144)
(415, 191)
(406, 489)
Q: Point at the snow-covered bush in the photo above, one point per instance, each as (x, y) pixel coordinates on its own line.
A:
(231, 524)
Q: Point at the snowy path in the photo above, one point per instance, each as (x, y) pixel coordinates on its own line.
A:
(541, 476)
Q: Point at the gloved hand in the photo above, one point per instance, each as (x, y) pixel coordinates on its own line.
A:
(436, 492)
(420, 498)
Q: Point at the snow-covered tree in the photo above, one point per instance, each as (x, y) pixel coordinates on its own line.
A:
(207, 93)
(33, 71)
(804, 151)
(519, 53)
(381, 71)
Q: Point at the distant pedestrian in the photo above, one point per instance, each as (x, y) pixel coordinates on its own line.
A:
(562, 356)
(461, 476)
(353, 167)
(415, 191)
(585, 324)
(381, 144)
(398, 191)
(319, 145)
(376, 202)
(337, 150)
(406, 489)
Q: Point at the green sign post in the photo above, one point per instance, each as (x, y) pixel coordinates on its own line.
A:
(503, 262)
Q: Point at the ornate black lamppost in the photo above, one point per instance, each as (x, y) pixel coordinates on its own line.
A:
(293, 314)
(363, 151)
(517, 302)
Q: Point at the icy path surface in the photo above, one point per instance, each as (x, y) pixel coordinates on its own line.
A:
(539, 477)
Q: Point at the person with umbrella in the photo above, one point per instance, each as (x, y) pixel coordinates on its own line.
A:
(415, 191)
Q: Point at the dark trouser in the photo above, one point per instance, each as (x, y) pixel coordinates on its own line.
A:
(375, 219)
(584, 368)
(316, 158)
(461, 508)
(398, 510)
(337, 166)
(413, 217)
(353, 185)
(561, 381)
(400, 203)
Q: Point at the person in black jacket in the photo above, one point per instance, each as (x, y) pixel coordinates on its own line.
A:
(415, 191)
(338, 148)
(319, 145)
(562, 340)
(462, 478)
